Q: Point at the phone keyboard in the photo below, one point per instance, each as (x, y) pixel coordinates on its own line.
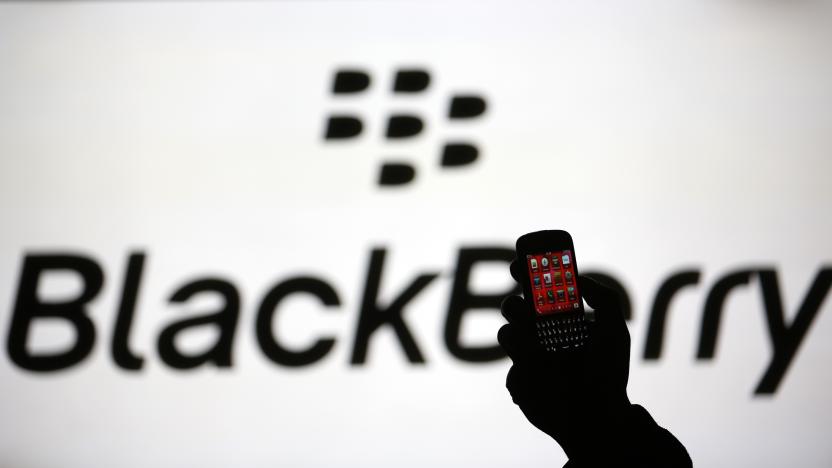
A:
(556, 333)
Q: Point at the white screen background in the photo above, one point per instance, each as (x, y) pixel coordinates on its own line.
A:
(663, 136)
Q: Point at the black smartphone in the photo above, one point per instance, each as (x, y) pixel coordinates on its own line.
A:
(550, 286)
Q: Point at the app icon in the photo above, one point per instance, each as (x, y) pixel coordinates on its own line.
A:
(560, 295)
(568, 275)
(544, 262)
(540, 299)
(533, 263)
(565, 259)
(550, 296)
(571, 293)
(555, 262)
(537, 282)
(547, 278)
(558, 278)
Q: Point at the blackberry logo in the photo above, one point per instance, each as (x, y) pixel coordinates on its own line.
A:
(400, 126)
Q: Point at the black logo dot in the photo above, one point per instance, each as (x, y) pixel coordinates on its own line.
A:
(411, 81)
(403, 126)
(396, 174)
(465, 107)
(350, 81)
(340, 127)
(459, 154)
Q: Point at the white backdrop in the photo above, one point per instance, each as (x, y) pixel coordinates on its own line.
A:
(663, 135)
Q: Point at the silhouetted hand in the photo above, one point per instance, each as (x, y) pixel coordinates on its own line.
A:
(579, 396)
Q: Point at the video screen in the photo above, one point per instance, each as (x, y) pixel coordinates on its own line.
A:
(554, 284)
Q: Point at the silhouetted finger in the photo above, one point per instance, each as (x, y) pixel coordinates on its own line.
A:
(511, 383)
(508, 339)
(516, 269)
(597, 295)
(519, 341)
(514, 309)
(610, 326)
(520, 380)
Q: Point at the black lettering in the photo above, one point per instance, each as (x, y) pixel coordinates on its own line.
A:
(713, 310)
(785, 340)
(371, 317)
(28, 307)
(225, 319)
(463, 300)
(122, 355)
(658, 313)
(274, 350)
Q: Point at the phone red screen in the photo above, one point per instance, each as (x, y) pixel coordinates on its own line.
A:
(554, 284)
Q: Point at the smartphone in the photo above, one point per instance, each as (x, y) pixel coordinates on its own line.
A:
(550, 286)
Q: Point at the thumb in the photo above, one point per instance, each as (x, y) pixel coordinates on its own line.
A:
(597, 295)
(605, 300)
(609, 322)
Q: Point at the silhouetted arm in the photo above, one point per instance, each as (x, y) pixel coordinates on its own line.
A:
(579, 397)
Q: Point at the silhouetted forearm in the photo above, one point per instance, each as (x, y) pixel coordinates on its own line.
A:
(634, 440)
